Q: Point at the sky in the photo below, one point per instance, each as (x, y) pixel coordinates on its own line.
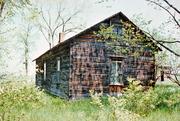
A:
(91, 12)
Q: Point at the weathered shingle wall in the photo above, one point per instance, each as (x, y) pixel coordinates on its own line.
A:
(141, 67)
(89, 68)
(56, 81)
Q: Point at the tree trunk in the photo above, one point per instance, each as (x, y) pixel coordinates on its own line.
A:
(26, 58)
(1, 7)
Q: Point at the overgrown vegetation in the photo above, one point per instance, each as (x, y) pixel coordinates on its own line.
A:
(144, 101)
(16, 97)
(21, 101)
(140, 101)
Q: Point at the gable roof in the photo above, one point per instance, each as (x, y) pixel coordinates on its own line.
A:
(87, 29)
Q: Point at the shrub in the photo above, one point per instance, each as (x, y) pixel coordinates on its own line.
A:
(142, 102)
(137, 100)
(115, 110)
(168, 96)
(18, 95)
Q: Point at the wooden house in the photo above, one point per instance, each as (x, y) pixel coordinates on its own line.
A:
(79, 64)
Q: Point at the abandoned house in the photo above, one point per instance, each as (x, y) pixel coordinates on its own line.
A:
(79, 64)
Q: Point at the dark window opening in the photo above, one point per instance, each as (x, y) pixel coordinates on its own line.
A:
(117, 30)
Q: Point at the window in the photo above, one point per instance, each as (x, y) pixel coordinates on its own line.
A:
(58, 64)
(44, 71)
(117, 30)
(116, 71)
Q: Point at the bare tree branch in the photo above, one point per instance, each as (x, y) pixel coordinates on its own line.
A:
(172, 6)
(73, 29)
(46, 22)
(163, 41)
(2, 4)
(161, 44)
(51, 26)
(41, 29)
(174, 18)
(176, 81)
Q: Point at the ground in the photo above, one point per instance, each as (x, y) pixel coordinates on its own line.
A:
(33, 106)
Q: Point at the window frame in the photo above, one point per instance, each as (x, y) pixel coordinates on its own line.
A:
(45, 70)
(118, 70)
(58, 64)
(117, 29)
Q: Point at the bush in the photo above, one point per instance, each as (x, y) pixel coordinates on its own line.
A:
(137, 100)
(114, 111)
(169, 97)
(142, 102)
(18, 95)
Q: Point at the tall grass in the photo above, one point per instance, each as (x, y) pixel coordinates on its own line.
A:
(27, 103)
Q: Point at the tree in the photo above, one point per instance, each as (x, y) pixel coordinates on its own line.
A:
(168, 7)
(174, 13)
(50, 27)
(25, 34)
(28, 21)
(130, 37)
(8, 8)
(174, 74)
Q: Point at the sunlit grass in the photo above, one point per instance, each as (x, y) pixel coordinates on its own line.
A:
(162, 115)
(82, 110)
(57, 109)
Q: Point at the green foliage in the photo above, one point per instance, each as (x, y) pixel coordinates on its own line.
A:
(10, 7)
(162, 115)
(115, 112)
(131, 40)
(142, 102)
(23, 101)
(169, 97)
(96, 99)
(18, 95)
(137, 100)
